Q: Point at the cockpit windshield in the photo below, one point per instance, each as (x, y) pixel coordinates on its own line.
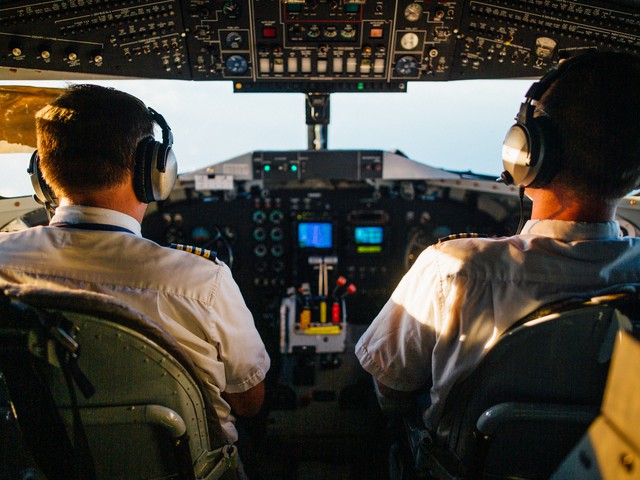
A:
(452, 125)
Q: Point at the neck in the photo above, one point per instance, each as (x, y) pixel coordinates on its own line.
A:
(120, 198)
(561, 204)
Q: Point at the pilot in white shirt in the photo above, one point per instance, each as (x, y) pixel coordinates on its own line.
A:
(462, 294)
(195, 300)
(575, 151)
(98, 160)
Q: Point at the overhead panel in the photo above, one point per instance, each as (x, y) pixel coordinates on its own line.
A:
(309, 46)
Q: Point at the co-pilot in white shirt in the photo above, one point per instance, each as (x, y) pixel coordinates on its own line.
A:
(460, 295)
(194, 299)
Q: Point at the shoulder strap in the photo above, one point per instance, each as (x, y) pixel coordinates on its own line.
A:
(455, 236)
(201, 252)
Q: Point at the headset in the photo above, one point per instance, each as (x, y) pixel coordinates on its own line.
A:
(156, 168)
(530, 151)
(43, 193)
(154, 176)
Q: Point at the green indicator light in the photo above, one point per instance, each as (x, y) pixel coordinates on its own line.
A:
(369, 249)
(360, 86)
(294, 168)
(267, 168)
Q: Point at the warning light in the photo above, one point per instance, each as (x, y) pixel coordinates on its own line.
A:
(376, 32)
(269, 32)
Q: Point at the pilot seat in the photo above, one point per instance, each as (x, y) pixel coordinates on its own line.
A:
(527, 403)
(92, 389)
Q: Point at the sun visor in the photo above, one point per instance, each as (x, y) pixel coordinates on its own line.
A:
(19, 105)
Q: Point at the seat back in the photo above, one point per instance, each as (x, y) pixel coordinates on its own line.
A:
(535, 393)
(126, 403)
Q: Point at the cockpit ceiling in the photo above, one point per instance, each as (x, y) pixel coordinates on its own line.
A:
(320, 46)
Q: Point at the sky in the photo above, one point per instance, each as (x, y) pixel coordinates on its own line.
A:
(453, 125)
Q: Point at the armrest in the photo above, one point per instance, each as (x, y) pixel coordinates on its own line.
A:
(499, 415)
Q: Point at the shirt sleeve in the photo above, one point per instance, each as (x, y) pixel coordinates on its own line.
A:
(396, 348)
(241, 349)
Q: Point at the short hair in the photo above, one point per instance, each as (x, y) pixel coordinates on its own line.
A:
(594, 110)
(88, 136)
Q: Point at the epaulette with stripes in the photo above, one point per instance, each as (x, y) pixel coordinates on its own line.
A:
(201, 252)
(462, 235)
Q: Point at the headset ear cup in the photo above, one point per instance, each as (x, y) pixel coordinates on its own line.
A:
(156, 168)
(141, 175)
(519, 156)
(529, 153)
(165, 173)
(547, 151)
(155, 171)
(41, 188)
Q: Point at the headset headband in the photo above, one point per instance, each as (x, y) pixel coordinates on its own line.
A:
(167, 135)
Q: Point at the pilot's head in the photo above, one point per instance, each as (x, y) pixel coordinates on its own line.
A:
(586, 118)
(92, 139)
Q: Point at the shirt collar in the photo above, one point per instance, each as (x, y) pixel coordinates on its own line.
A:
(573, 231)
(102, 216)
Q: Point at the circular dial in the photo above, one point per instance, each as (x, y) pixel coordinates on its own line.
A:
(409, 41)
(237, 65)
(231, 9)
(545, 47)
(233, 40)
(407, 66)
(413, 12)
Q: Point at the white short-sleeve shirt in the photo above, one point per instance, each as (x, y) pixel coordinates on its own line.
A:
(194, 299)
(462, 294)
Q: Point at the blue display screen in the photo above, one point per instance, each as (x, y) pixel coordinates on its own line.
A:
(368, 235)
(315, 235)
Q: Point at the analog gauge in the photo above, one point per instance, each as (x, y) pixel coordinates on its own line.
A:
(409, 41)
(413, 12)
(313, 32)
(348, 32)
(233, 40)
(231, 9)
(237, 65)
(545, 47)
(407, 67)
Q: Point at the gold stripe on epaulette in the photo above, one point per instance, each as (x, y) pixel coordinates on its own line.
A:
(462, 235)
(201, 252)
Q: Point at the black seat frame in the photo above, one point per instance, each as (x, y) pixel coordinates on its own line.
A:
(529, 400)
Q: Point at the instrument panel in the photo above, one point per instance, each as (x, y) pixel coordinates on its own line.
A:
(318, 46)
(314, 217)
